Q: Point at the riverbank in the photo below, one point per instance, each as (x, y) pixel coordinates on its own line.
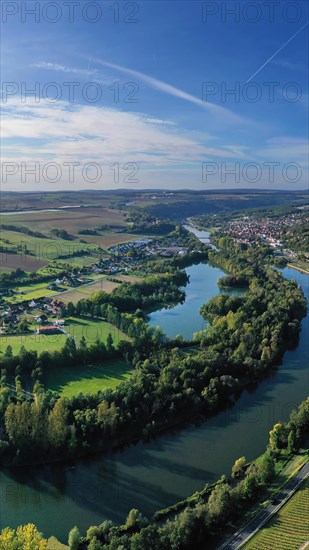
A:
(293, 266)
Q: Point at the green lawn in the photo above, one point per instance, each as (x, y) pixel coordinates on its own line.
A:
(89, 328)
(38, 342)
(92, 329)
(69, 381)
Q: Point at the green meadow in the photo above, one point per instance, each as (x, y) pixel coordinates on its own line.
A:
(88, 379)
(91, 329)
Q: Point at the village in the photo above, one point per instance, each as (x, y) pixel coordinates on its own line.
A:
(42, 315)
(271, 231)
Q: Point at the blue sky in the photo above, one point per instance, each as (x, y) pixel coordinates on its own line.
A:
(138, 98)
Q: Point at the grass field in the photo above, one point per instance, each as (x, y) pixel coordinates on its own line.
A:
(289, 529)
(17, 201)
(38, 342)
(88, 378)
(92, 329)
(129, 278)
(41, 290)
(89, 328)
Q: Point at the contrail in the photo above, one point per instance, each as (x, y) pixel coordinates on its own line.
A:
(171, 90)
(268, 60)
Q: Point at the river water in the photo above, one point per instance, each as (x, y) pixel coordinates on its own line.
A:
(185, 318)
(154, 475)
(20, 212)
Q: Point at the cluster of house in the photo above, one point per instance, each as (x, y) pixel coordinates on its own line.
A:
(9, 316)
(124, 248)
(149, 247)
(14, 314)
(48, 305)
(269, 230)
(68, 280)
(119, 260)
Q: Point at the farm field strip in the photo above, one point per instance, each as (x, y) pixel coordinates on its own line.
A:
(74, 219)
(76, 294)
(289, 528)
(26, 262)
(108, 239)
(101, 284)
(45, 249)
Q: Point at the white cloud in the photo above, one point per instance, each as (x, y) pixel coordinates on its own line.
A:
(165, 154)
(85, 73)
(92, 132)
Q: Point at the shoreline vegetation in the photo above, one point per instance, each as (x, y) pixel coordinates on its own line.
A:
(208, 516)
(301, 269)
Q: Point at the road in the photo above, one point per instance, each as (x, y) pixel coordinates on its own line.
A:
(242, 536)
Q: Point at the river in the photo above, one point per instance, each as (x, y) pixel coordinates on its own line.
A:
(154, 475)
(59, 209)
(185, 318)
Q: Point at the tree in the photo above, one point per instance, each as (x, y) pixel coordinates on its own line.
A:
(277, 437)
(266, 354)
(74, 538)
(219, 502)
(57, 423)
(292, 444)
(249, 487)
(239, 467)
(82, 349)
(9, 352)
(109, 343)
(134, 520)
(69, 349)
(25, 537)
(265, 468)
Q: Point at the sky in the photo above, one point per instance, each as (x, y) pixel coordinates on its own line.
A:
(154, 94)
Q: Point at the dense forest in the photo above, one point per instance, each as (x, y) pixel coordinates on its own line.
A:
(141, 222)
